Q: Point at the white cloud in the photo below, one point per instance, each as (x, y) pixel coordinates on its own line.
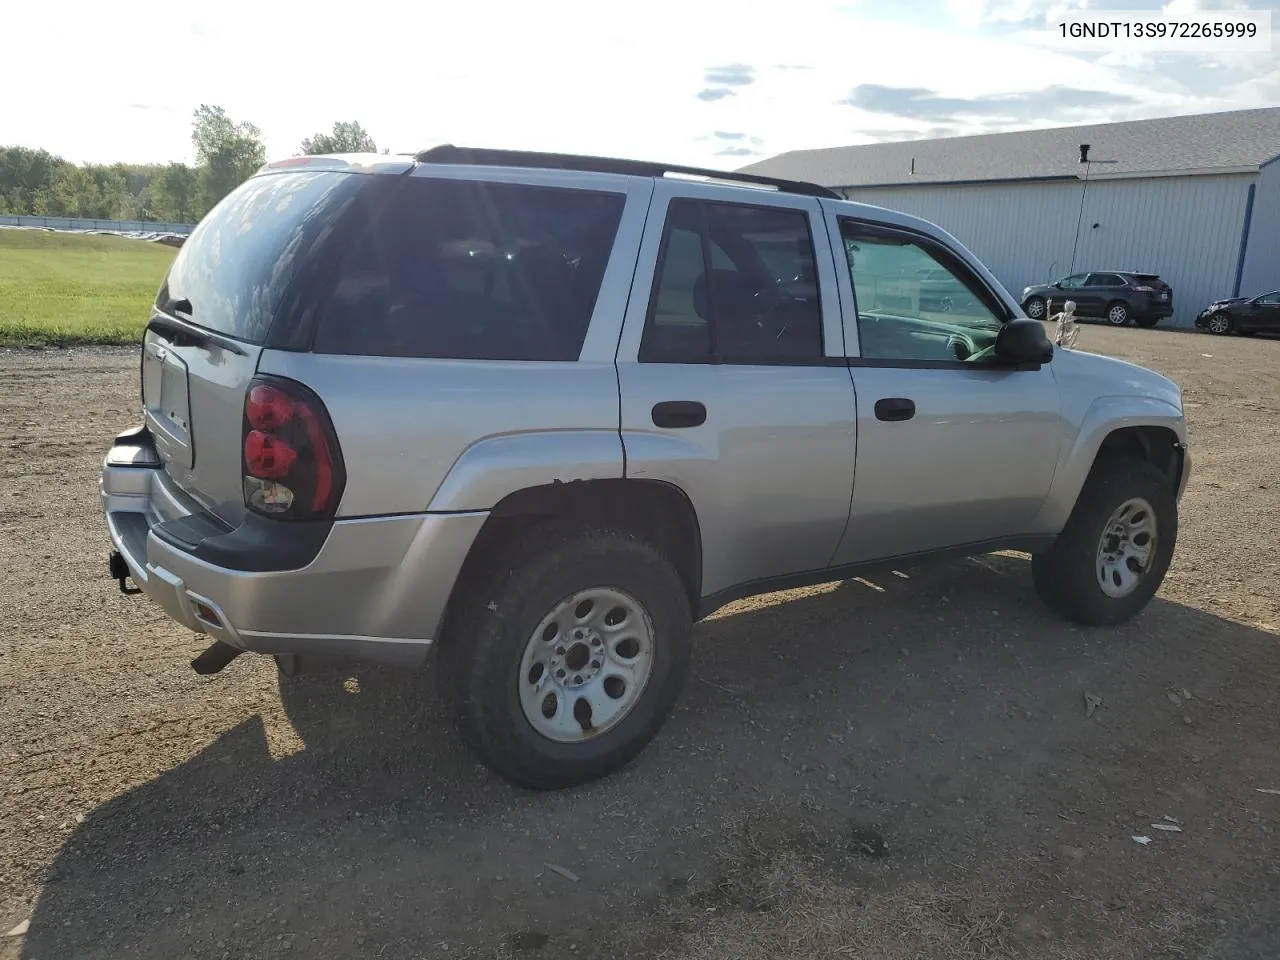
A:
(1183, 8)
(973, 12)
(562, 75)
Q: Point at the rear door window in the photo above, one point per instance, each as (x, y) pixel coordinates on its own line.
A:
(236, 267)
(1104, 280)
(736, 284)
(473, 270)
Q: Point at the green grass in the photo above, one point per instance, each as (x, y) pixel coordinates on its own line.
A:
(62, 289)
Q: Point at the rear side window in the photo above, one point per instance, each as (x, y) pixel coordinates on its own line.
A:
(237, 265)
(736, 283)
(1104, 280)
(471, 270)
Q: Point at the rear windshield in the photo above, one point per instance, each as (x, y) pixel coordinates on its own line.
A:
(238, 263)
(1147, 277)
(464, 269)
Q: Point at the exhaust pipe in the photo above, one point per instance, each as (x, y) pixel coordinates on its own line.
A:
(217, 656)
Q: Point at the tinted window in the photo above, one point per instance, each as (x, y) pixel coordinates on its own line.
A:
(1071, 283)
(238, 263)
(471, 270)
(757, 303)
(914, 302)
(1104, 280)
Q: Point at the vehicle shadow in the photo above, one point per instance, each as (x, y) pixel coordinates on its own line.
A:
(938, 704)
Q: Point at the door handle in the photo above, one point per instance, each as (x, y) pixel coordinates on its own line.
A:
(895, 408)
(679, 413)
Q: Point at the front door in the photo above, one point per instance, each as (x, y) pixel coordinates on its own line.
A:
(1264, 313)
(733, 381)
(953, 450)
(1071, 289)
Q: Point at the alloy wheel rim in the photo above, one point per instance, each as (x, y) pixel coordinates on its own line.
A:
(1127, 548)
(1035, 309)
(1117, 315)
(1218, 323)
(586, 665)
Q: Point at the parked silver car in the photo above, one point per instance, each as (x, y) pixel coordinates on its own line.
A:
(544, 412)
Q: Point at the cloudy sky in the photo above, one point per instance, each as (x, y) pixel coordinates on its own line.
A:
(693, 81)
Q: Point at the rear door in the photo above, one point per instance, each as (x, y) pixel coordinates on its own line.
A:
(734, 384)
(1099, 290)
(213, 314)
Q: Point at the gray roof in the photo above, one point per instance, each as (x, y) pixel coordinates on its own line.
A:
(1204, 143)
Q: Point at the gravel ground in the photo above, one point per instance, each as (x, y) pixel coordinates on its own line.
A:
(900, 766)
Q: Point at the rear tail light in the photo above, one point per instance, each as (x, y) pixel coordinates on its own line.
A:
(291, 462)
(1142, 289)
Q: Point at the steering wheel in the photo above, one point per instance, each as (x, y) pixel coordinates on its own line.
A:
(986, 353)
(961, 347)
(772, 309)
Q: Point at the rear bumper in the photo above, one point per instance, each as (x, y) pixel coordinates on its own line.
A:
(373, 589)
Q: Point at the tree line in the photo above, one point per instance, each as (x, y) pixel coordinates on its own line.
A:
(36, 183)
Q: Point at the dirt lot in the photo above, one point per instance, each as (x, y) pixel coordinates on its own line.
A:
(891, 768)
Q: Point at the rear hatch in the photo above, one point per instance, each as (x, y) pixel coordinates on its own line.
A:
(228, 291)
(1161, 291)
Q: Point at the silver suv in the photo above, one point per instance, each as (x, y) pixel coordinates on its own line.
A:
(544, 412)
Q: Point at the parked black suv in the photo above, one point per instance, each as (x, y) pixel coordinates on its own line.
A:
(1112, 295)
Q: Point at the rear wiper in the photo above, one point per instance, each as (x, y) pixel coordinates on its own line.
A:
(182, 334)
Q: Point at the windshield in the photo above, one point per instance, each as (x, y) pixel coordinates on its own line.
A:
(233, 271)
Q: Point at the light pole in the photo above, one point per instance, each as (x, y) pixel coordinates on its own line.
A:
(1084, 191)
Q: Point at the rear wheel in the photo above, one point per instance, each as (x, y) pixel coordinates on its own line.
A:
(1118, 314)
(1035, 308)
(1220, 323)
(566, 655)
(1113, 553)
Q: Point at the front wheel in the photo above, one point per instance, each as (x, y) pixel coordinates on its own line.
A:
(1118, 314)
(1112, 556)
(1035, 308)
(1220, 323)
(566, 655)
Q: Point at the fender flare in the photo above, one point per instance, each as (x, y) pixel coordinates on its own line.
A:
(1104, 417)
(497, 466)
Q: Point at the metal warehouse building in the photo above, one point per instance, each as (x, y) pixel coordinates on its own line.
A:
(1195, 199)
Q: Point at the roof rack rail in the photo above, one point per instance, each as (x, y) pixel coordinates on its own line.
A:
(481, 156)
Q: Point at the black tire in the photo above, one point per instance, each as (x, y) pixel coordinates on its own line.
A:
(1036, 308)
(1066, 575)
(1146, 322)
(479, 657)
(1117, 313)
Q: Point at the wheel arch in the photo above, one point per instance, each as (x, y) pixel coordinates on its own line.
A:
(658, 512)
(1143, 428)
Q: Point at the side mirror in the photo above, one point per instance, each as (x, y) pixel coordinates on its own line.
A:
(1057, 285)
(1022, 342)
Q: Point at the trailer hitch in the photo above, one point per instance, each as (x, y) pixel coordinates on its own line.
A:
(120, 573)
